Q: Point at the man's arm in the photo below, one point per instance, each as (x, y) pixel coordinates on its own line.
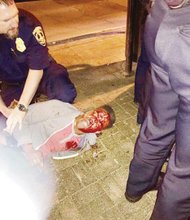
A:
(30, 88)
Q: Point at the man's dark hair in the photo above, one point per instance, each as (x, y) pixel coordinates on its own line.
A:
(7, 2)
(110, 110)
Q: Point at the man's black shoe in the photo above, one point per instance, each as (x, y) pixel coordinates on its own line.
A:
(132, 199)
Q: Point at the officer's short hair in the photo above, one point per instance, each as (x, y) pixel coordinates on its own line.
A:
(6, 2)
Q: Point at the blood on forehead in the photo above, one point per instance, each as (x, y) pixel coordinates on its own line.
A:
(101, 114)
(97, 120)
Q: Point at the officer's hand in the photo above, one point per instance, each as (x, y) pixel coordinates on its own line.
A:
(16, 117)
(6, 112)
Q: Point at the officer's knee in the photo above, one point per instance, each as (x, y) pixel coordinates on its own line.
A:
(67, 94)
(60, 87)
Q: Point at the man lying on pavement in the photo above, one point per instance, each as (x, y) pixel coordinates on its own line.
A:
(59, 130)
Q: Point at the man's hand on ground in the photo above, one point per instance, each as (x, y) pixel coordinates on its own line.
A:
(35, 157)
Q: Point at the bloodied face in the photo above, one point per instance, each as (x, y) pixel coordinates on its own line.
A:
(93, 121)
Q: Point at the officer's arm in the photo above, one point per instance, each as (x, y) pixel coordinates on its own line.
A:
(30, 88)
(3, 108)
(32, 82)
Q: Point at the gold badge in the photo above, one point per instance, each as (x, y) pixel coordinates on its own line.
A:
(39, 35)
(20, 46)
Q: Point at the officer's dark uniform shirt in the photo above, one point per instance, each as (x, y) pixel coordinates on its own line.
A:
(27, 51)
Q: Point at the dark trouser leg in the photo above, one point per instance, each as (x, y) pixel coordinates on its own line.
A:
(142, 85)
(140, 76)
(156, 135)
(173, 201)
(145, 98)
(57, 85)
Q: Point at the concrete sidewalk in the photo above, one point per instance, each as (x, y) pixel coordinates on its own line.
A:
(99, 25)
(92, 185)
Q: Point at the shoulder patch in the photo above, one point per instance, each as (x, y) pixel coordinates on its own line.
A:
(39, 35)
(20, 46)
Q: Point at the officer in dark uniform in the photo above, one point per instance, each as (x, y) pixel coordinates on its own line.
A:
(167, 43)
(25, 65)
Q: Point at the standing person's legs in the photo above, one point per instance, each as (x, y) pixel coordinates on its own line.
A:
(56, 84)
(156, 135)
(142, 84)
(173, 200)
(145, 97)
(143, 66)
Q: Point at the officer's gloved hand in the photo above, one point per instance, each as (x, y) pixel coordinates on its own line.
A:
(15, 118)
